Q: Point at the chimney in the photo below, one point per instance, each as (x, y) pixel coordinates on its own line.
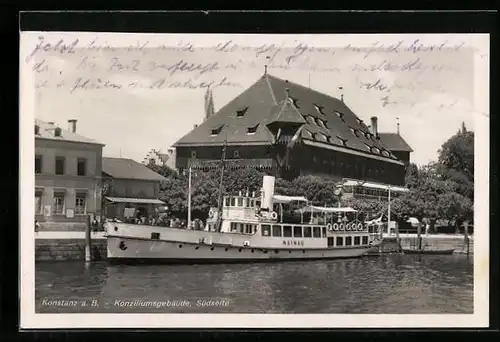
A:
(398, 125)
(72, 125)
(287, 93)
(51, 123)
(374, 127)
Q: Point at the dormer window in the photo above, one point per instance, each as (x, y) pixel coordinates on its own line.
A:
(295, 102)
(340, 115)
(240, 113)
(321, 123)
(354, 131)
(319, 109)
(308, 134)
(37, 129)
(368, 146)
(343, 141)
(253, 129)
(360, 122)
(216, 131)
(323, 137)
(375, 150)
(57, 132)
(310, 119)
(385, 153)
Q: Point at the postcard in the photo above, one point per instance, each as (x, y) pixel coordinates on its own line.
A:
(254, 181)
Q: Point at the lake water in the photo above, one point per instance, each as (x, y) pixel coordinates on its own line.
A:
(390, 284)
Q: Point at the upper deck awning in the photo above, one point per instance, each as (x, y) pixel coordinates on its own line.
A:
(328, 209)
(134, 200)
(288, 199)
(375, 186)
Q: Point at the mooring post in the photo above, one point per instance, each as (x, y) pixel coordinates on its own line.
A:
(466, 236)
(88, 241)
(419, 238)
(398, 240)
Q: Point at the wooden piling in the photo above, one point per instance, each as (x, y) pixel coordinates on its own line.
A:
(398, 240)
(88, 241)
(466, 236)
(419, 238)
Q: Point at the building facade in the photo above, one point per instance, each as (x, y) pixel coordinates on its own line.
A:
(67, 177)
(130, 188)
(291, 130)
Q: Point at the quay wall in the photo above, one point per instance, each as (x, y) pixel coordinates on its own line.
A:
(440, 242)
(55, 247)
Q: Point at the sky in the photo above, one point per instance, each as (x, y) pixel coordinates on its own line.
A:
(136, 92)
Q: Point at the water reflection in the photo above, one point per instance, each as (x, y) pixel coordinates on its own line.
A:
(388, 284)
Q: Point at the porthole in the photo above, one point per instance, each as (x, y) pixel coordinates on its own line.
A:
(211, 248)
(116, 229)
(276, 251)
(252, 250)
(180, 246)
(197, 247)
(226, 249)
(239, 250)
(304, 251)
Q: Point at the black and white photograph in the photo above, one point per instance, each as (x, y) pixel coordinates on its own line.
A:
(266, 176)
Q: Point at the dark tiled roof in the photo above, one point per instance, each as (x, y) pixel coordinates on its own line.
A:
(395, 142)
(129, 169)
(327, 119)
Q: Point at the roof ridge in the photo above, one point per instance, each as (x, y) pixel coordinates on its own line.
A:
(304, 87)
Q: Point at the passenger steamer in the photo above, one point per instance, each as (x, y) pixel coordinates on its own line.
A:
(247, 228)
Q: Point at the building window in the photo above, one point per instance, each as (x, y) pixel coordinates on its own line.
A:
(319, 109)
(60, 165)
(216, 131)
(81, 167)
(58, 205)
(38, 203)
(253, 129)
(340, 115)
(365, 240)
(356, 240)
(323, 230)
(277, 231)
(297, 231)
(240, 202)
(294, 101)
(339, 241)
(37, 129)
(343, 141)
(236, 154)
(38, 164)
(240, 113)
(80, 204)
(57, 132)
(193, 154)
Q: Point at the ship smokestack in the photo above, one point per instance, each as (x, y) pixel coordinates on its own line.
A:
(72, 125)
(267, 193)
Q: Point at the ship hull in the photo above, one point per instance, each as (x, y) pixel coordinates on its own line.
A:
(134, 250)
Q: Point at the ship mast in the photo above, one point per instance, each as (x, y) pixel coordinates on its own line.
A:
(221, 185)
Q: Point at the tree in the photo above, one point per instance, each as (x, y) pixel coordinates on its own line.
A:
(457, 153)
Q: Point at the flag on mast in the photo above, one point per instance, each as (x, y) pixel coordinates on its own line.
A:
(209, 103)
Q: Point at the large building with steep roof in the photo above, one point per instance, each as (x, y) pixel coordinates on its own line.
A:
(67, 177)
(291, 130)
